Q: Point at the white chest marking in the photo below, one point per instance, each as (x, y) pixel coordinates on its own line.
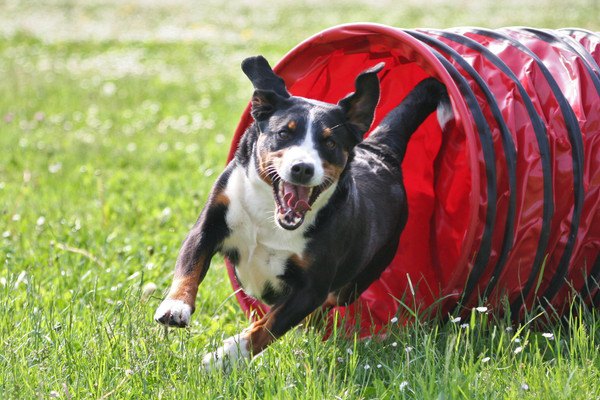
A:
(263, 247)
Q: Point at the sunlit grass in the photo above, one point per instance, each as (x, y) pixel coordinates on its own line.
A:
(110, 139)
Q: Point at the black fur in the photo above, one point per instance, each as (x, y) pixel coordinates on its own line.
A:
(262, 76)
(355, 234)
(205, 238)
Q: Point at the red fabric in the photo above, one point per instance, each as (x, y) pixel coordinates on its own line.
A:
(445, 174)
(589, 231)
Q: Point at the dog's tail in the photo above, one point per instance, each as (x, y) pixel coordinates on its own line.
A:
(398, 126)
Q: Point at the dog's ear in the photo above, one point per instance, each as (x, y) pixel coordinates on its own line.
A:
(264, 103)
(359, 107)
(258, 70)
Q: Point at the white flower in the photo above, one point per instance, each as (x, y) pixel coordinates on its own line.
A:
(148, 290)
(455, 320)
(464, 326)
(54, 168)
(163, 147)
(108, 89)
(349, 351)
(481, 309)
(166, 213)
(394, 344)
(367, 366)
(40, 221)
(549, 336)
(22, 278)
(394, 320)
(379, 365)
(518, 350)
(403, 384)
(485, 359)
(16, 217)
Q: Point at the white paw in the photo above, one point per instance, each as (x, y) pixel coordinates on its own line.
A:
(173, 313)
(233, 349)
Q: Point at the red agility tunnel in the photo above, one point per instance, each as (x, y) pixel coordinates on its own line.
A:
(505, 203)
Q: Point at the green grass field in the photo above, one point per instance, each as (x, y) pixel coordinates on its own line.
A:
(115, 118)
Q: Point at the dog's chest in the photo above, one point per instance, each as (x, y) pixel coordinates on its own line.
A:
(259, 248)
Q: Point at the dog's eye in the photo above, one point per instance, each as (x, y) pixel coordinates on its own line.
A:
(284, 134)
(330, 144)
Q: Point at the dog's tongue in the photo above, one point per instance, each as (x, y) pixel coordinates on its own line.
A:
(296, 197)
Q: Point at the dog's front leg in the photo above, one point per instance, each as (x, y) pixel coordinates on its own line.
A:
(280, 319)
(193, 261)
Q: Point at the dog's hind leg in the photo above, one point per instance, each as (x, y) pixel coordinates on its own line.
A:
(401, 122)
(194, 258)
(280, 319)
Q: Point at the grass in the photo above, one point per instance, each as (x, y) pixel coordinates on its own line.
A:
(115, 120)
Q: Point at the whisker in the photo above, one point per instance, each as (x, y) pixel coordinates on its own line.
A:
(270, 173)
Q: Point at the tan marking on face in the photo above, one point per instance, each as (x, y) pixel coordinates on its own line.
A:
(292, 125)
(333, 171)
(327, 132)
(267, 161)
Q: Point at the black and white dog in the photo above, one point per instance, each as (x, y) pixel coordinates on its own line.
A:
(309, 213)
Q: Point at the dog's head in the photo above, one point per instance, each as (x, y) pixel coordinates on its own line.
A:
(304, 145)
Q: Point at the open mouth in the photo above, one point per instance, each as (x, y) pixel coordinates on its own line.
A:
(292, 202)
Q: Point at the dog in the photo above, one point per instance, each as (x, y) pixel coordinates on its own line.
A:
(308, 212)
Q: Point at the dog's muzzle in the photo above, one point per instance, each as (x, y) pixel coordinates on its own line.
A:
(292, 202)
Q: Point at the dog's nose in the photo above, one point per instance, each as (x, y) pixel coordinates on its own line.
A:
(302, 172)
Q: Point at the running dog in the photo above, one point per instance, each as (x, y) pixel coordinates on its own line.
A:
(309, 213)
